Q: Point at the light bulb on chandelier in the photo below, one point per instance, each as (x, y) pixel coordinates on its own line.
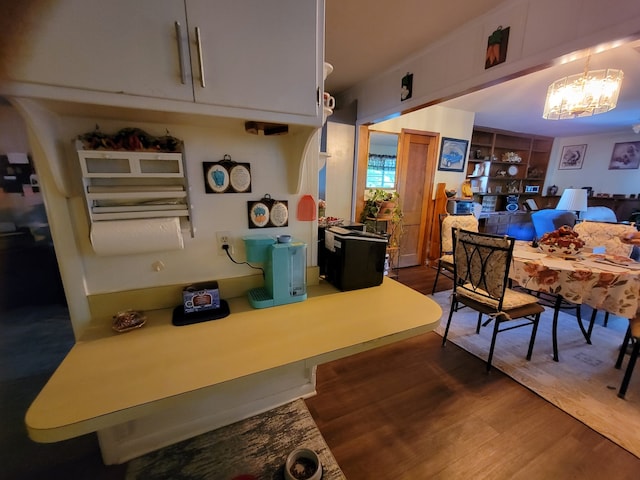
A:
(583, 94)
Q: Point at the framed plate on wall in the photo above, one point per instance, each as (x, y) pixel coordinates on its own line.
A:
(227, 176)
(268, 212)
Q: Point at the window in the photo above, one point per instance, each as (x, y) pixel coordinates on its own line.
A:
(381, 164)
(381, 171)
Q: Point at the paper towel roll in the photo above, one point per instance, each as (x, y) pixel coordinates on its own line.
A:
(125, 237)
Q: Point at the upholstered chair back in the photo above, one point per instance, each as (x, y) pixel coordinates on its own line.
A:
(465, 222)
(603, 234)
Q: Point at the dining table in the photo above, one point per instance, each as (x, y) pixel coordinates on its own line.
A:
(603, 282)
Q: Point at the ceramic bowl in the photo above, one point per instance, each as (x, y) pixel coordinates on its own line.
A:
(303, 464)
(557, 251)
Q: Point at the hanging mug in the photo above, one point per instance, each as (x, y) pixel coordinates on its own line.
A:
(329, 101)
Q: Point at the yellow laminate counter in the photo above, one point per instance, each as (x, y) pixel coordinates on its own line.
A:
(114, 378)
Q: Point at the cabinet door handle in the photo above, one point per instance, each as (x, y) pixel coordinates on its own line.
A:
(200, 60)
(183, 75)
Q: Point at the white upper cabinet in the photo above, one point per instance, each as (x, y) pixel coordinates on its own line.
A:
(257, 54)
(244, 58)
(117, 46)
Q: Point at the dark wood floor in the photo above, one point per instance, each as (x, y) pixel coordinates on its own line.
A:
(413, 410)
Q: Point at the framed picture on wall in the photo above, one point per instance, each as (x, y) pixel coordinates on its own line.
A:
(452, 154)
(625, 156)
(572, 157)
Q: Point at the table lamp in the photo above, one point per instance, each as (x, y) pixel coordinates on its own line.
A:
(573, 200)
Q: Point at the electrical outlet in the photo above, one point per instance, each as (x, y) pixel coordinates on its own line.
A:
(224, 238)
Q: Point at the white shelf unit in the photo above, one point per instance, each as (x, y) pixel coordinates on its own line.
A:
(121, 185)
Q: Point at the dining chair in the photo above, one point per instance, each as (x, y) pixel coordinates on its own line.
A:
(445, 260)
(607, 235)
(481, 275)
(632, 337)
(549, 219)
(600, 214)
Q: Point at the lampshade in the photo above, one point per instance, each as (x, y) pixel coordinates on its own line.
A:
(583, 95)
(573, 200)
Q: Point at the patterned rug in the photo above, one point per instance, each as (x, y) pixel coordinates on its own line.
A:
(584, 383)
(257, 446)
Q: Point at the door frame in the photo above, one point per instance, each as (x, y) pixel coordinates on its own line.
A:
(425, 243)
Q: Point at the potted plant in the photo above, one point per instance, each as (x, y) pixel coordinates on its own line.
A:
(380, 204)
(382, 213)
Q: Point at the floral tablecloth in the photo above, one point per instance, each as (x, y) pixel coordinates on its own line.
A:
(613, 288)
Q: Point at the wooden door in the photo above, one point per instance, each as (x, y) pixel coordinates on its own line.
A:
(416, 166)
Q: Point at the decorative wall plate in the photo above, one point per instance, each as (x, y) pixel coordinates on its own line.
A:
(217, 178)
(258, 214)
(240, 178)
(512, 170)
(227, 176)
(267, 212)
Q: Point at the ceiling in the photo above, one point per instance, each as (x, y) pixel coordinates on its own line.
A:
(358, 49)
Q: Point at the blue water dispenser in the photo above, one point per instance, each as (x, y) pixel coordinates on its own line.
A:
(284, 263)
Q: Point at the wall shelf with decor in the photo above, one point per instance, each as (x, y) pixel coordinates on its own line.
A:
(503, 164)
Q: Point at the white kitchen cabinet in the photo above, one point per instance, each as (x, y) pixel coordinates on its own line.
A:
(117, 46)
(257, 54)
(250, 59)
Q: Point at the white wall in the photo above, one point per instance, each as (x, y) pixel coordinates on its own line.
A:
(199, 261)
(448, 122)
(340, 171)
(84, 273)
(595, 168)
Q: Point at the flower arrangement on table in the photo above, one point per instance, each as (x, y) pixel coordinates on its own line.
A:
(563, 242)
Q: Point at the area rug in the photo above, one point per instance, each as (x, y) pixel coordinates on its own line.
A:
(257, 446)
(584, 383)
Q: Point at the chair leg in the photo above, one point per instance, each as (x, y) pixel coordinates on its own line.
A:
(534, 331)
(446, 329)
(554, 328)
(496, 329)
(629, 370)
(585, 333)
(479, 322)
(623, 347)
(594, 313)
(606, 319)
(435, 282)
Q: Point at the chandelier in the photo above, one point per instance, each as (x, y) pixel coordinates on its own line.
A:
(583, 94)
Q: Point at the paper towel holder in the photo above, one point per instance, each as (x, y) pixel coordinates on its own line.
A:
(122, 185)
